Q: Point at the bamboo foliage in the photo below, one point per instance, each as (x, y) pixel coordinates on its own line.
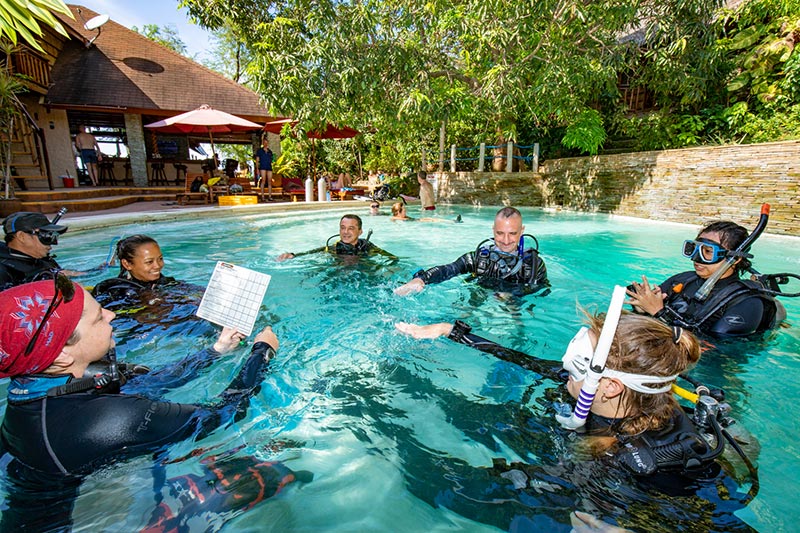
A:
(21, 18)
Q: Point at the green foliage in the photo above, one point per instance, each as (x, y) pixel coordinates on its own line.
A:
(23, 17)
(166, 35)
(586, 132)
(10, 88)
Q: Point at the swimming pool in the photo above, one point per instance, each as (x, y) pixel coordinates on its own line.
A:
(373, 413)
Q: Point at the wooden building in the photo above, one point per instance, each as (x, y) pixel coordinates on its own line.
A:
(114, 80)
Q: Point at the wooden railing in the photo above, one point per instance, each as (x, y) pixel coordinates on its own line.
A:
(34, 67)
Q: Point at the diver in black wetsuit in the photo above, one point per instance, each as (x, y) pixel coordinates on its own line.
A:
(639, 434)
(349, 243)
(25, 254)
(60, 426)
(734, 307)
(140, 270)
(505, 265)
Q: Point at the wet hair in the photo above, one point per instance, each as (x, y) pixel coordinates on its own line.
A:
(397, 207)
(731, 236)
(508, 212)
(353, 217)
(126, 248)
(644, 345)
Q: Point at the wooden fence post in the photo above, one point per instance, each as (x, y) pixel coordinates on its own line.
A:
(536, 157)
(452, 158)
(482, 157)
(510, 157)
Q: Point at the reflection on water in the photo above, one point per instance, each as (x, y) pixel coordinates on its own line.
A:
(401, 434)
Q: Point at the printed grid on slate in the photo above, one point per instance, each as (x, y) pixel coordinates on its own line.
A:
(233, 297)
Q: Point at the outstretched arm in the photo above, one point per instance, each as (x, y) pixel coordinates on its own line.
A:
(460, 332)
(438, 274)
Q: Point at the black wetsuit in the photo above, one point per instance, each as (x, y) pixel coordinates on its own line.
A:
(528, 273)
(361, 248)
(17, 268)
(56, 440)
(734, 308)
(680, 429)
(628, 481)
(123, 290)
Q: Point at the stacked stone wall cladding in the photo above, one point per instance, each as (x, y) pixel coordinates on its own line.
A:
(692, 185)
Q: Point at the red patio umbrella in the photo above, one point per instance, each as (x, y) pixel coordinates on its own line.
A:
(330, 132)
(204, 119)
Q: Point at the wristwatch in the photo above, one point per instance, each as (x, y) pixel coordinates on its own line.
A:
(459, 330)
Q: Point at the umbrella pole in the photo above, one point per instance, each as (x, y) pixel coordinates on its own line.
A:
(213, 153)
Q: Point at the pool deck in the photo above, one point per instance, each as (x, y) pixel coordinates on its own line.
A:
(144, 212)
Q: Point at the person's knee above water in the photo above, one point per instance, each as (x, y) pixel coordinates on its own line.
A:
(350, 242)
(506, 260)
(713, 299)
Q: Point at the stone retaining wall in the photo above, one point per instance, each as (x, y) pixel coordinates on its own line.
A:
(693, 185)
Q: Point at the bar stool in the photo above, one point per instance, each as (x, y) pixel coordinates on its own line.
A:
(159, 176)
(128, 179)
(106, 176)
(179, 167)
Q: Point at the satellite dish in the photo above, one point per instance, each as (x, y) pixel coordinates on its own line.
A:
(95, 22)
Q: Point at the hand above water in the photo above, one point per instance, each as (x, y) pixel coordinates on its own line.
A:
(645, 298)
(431, 331)
(415, 285)
(228, 339)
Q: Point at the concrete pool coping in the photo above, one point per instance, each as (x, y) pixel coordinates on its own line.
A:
(158, 211)
(144, 212)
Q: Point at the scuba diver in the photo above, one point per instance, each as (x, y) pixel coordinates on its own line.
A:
(349, 243)
(25, 254)
(622, 370)
(504, 264)
(713, 299)
(70, 412)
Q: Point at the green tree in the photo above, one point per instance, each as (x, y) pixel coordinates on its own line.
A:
(22, 18)
(166, 35)
(229, 55)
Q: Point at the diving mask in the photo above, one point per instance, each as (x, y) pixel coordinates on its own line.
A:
(704, 251)
(47, 238)
(578, 355)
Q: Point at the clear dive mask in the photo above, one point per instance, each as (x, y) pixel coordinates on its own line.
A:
(578, 355)
(578, 358)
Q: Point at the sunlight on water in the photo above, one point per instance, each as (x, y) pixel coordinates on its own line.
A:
(374, 414)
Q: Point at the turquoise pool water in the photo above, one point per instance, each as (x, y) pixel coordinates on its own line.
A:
(369, 411)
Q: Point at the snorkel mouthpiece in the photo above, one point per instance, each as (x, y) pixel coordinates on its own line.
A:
(597, 365)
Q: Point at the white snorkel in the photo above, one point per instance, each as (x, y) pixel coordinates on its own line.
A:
(597, 365)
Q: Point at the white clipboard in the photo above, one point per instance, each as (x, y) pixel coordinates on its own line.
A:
(233, 297)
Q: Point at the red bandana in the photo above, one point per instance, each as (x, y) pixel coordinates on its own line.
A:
(21, 311)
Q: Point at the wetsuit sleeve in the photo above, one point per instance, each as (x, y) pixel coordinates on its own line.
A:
(742, 318)
(159, 381)
(438, 274)
(545, 368)
(308, 252)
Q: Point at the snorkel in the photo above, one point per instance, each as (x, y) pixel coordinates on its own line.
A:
(597, 364)
(61, 213)
(732, 257)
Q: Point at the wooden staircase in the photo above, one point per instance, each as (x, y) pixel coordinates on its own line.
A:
(28, 165)
(93, 199)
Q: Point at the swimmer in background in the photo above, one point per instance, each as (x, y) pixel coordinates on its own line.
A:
(349, 243)
(399, 212)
